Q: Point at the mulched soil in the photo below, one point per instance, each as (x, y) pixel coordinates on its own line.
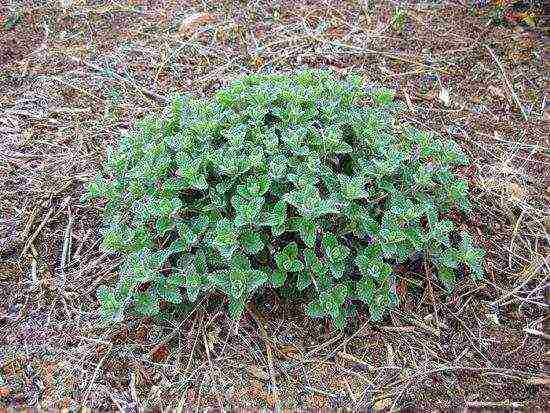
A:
(480, 347)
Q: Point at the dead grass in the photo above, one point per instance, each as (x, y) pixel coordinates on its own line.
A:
(481, 347)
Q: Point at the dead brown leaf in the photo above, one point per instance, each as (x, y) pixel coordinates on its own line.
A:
(192, 22)
(497, 92)
(382, 404)
(258, 372)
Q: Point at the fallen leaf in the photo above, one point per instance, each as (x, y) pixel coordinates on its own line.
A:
(516, 191)
(270, 399)
(497, 92)
(191, 396)
(382, 404)
(258, 372)
(194, 21)
(444, 96)
(160, 354)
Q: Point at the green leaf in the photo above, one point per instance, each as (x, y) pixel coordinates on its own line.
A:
(247, 210)
(447, 277)
(276, 217)
(315, 309)
(220, 279)
(169, 293)
(255, 186)
(336, 254)
(256, 279)
(440, 232)
(110, 306)
(251, 241)
(471, 256)
(147, 304)
(278, 278)
(237, 307)
(303, 281)
(352, 187)
(287, 259)
(225, 238)
(307, 230)
(367, 257)
(365, 289)
(382, 96)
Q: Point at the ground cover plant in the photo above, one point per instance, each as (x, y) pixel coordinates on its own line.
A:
(299, 182)
(78, 76)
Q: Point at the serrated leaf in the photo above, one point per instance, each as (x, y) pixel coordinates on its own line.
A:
(251, 241)
(278, 278)
(447, 277)
(315, 309)
(256, 279)
(307, 230)
(147, 304)
(236, 307)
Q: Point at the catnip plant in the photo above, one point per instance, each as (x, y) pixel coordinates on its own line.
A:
(300, 181)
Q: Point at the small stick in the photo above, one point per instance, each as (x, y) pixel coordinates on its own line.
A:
(513, 237)
(34, 265)
(430, 289)
(65, 253)
(30, 222)
(350, 391)
(512, 405)
(531, 272)
(82, 242)
(207, 348)
(269, 357)
(425, 327)
(537, 333)
(96, 372)
(35, 234)
(508, 84)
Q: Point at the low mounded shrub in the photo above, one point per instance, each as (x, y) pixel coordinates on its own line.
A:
(303, 182)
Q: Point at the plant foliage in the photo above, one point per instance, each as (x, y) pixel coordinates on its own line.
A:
(297, 181)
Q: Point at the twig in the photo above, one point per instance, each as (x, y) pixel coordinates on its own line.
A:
(30, 222)
(506, 403)
(94, 375)
(269, 358)
(532, 271)
(35, 234)
(378, 52)
(537, 333)
(65, 253)
(206, 346)
(431, 291)
(424, 326)
(350, 391)
(34, 265)
(323, 392)
(508, 84)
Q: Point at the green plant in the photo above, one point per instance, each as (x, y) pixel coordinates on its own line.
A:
(300, 182)
(399, 18)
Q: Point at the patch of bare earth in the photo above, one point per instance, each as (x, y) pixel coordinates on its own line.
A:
(75, 74)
